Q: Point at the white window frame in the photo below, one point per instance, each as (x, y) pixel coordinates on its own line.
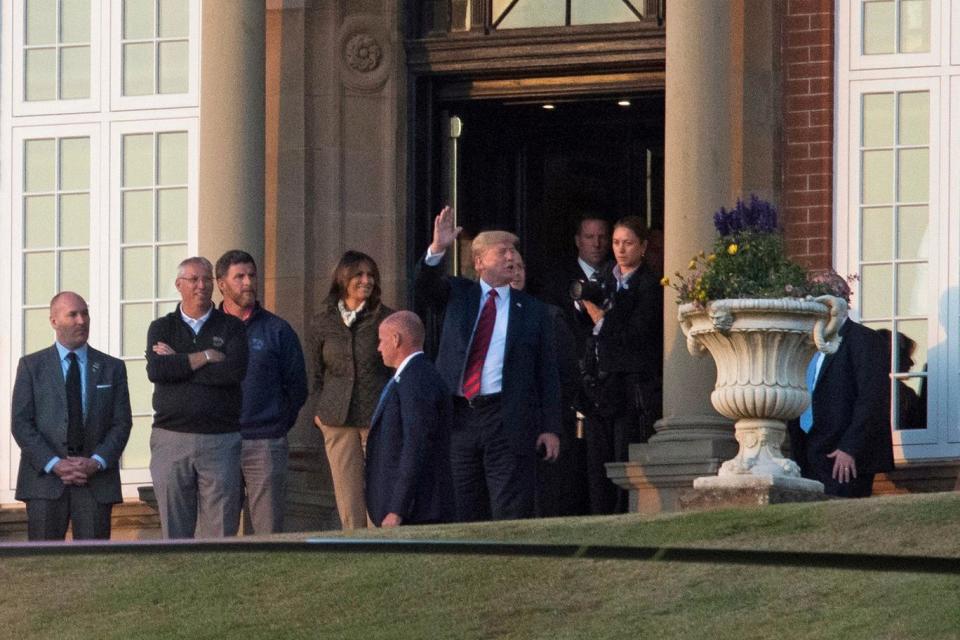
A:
(851, 13)
(140, 475)
(941, 439)
(22, 107)
(119, 102)
(99, 328)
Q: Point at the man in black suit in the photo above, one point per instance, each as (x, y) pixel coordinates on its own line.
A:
(71, 418)
(408, 450)
(497, 357)
(844, 438)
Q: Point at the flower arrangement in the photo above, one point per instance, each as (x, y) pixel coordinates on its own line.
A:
(748, 261)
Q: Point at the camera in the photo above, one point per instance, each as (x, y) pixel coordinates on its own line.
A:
(589, 290)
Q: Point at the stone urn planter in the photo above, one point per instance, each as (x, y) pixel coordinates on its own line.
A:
(761, 348)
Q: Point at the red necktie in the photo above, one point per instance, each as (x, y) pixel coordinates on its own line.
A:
(478, 348)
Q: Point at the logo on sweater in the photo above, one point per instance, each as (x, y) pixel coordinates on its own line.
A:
(217, 341)
(256, 344)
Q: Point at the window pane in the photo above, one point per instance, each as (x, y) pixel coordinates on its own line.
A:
(75, 220)
(75, 272)
(875, 291)
(136, 319)
(913, 183)
(174, 67)
(41, 18)
(912, 292)
(172, 215)
(41, 74)
(912, 232)
(75, 164)
(74, 73)
(878, 120)
(37, 333)
(39, 222)
(915, 331)
(167, 260)
(914, 26)
(600, 11)
(914, 117)
(536, 13)
(138, 16)
(911, 403)
(40, 165)
(138, 69)
(74, 20)
(137, 273)
(163, 308)
(172, 151)
(138, 216)
(174, 18)
(141, 389)
(39, 278)
(878, 27)
(876, 242)
(138, 160)
(877, 177)
(137, 453)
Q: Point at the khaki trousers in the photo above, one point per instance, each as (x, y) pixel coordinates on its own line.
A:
(345, 448)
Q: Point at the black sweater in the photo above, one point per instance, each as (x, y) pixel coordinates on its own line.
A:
(209, 399)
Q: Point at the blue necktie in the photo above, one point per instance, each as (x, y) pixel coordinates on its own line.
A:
(806, 418)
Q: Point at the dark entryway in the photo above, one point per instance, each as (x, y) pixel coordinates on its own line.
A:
(535, 171)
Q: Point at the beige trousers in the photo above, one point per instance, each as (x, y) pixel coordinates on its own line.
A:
(345, 450)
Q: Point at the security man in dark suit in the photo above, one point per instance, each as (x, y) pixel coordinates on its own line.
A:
(843, 440)
(497, 357)
(71, 418)
(407, 468)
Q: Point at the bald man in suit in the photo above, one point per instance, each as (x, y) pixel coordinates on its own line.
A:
(71, 419)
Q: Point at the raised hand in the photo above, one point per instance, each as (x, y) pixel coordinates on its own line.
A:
(444, 231)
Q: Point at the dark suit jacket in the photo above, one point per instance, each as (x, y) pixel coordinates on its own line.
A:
(556, 291)
(39, 422)
(408, 449)
(531, 381)
(851, 408)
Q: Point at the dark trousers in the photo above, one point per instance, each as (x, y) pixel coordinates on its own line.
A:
(48, 519)
(562, 484)
(859, 487)
(490, 478)
(608, 439)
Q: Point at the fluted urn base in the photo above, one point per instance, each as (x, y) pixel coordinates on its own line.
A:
(761, 348)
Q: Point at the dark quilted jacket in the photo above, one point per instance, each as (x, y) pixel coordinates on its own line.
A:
(348, 373)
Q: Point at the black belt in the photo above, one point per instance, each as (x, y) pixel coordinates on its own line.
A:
(477, 402)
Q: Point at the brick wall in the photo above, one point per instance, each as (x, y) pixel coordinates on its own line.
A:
(808, 67)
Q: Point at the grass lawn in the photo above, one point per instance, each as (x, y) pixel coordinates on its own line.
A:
(341, 595)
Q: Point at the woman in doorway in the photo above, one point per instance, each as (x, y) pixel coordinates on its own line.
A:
(348, 376)
(623, 363)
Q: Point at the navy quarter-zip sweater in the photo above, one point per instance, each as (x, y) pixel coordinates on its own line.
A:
(209, 399)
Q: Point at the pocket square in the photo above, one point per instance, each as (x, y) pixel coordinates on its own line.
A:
(104, 386)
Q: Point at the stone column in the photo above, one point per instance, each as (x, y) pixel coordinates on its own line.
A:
(720, 144)
(231, 127)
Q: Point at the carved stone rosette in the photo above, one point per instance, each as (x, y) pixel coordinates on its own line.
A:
(761, 348)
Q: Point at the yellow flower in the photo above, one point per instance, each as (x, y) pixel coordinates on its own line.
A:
(732, 248)
(664, 281)
(712, 257)
(700, 255)
(692, 266)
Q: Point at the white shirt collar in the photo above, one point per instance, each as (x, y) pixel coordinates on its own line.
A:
(587, 269)
(403, 364)
(503, 292)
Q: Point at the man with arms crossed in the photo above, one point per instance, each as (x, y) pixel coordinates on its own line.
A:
(408, 451)
(273, 391)
(197, 359)
(497, 357)
(71, 418)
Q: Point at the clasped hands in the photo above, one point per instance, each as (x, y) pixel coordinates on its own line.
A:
(75, 470)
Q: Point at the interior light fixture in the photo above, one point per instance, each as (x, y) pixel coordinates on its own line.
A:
(623, 103)
(549, 107)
